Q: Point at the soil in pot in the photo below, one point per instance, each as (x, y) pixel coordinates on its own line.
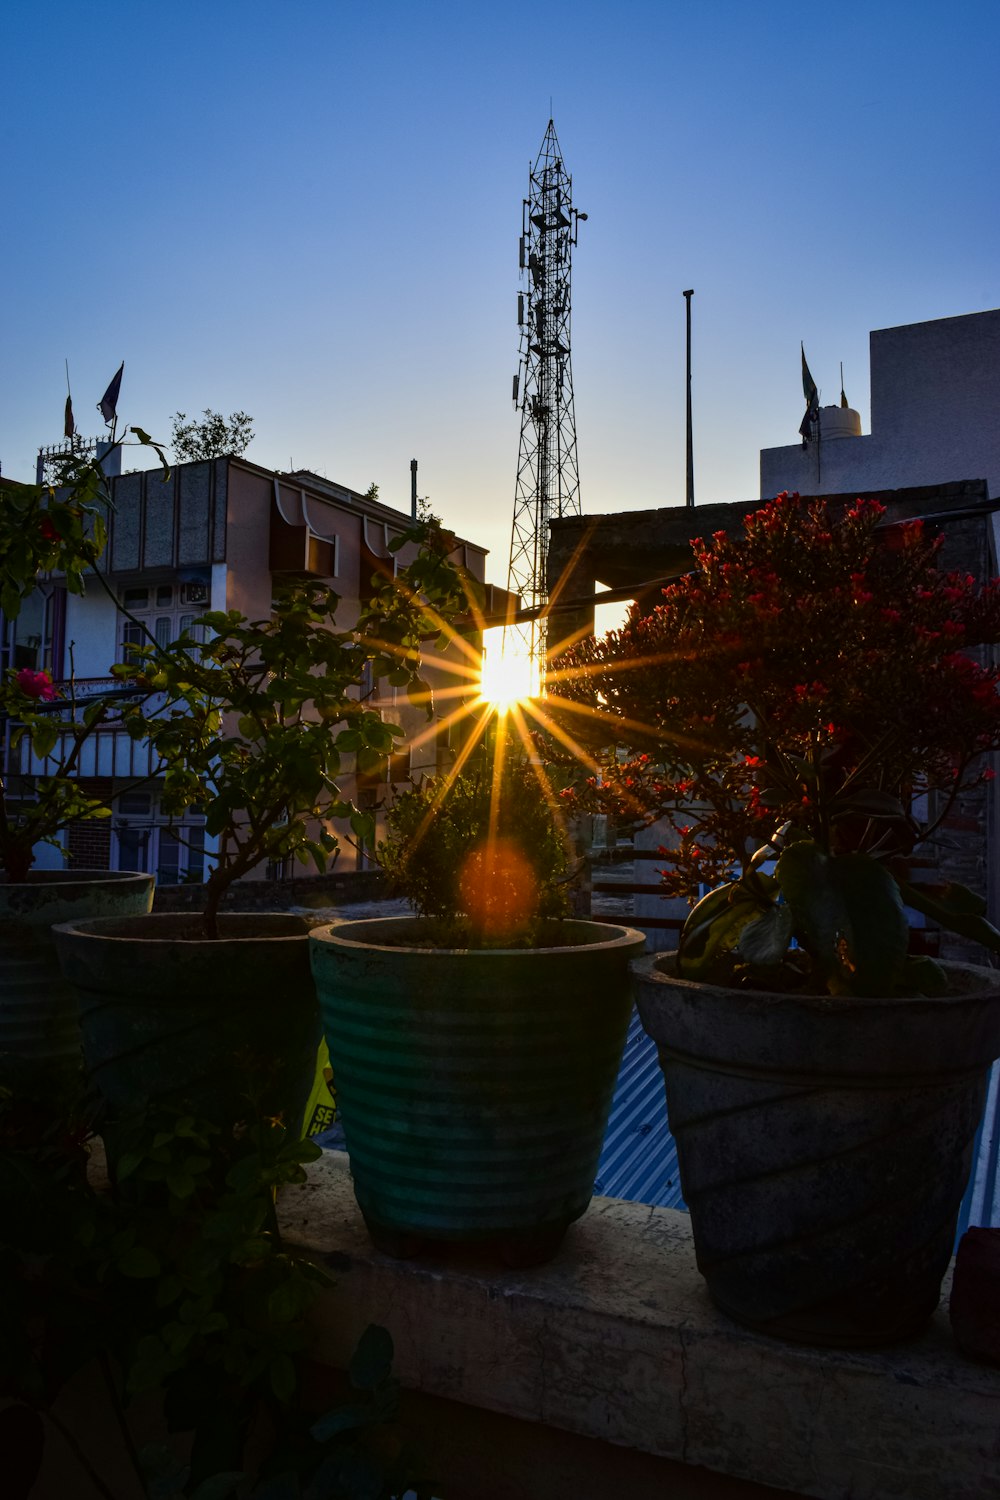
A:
(824, 1144)
(474, 1085)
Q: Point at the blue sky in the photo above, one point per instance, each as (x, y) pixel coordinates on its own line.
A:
(310, 212)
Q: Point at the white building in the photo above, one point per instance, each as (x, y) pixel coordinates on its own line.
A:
(935, 417)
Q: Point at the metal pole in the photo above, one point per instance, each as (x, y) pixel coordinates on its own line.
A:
(690, 449)
(413, 488)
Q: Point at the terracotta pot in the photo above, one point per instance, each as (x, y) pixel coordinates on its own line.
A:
(39, 1028)
(474, 1085)
(824, 1144)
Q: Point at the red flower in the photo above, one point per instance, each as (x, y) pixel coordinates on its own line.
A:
(47, 527)
(36, 684)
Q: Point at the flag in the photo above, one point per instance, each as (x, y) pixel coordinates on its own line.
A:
(68, 425)
(812, 402)
(108, 404)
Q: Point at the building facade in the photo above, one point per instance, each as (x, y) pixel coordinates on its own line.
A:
(935, 417)
(215, 535)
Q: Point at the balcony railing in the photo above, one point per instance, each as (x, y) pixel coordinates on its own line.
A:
(108, 752)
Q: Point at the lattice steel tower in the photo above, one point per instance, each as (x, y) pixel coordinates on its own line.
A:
(548, 480)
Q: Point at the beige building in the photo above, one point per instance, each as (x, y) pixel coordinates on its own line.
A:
(219, 535)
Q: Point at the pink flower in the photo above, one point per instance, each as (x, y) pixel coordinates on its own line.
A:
(36, 684)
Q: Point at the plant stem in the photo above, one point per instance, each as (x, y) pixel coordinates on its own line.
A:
(70, 1440)
(121, 1418)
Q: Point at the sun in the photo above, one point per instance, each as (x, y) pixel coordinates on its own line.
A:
(508, 674)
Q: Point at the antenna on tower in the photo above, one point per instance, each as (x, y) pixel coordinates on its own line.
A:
(548, 480)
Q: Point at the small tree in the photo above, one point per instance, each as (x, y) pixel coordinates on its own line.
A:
(256, 721)
(213, 437)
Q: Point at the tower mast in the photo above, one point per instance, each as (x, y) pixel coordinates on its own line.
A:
(548, 480)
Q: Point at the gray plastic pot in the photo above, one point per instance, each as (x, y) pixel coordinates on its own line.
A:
(39, 1028)
(824, 1144)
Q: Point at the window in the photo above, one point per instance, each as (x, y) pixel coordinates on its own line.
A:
(27, 641)
(145, 840)
(163, 611)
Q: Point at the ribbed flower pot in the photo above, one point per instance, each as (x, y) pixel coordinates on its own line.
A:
(824, 1144)
(39, 1029)
(474, 1086)
(228, 1026)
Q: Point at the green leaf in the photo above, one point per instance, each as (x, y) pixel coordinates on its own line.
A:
(180, 1183)
(922, 976)
(960, 900)
(714, 928)
(148, 442)
(139, 1263)
(284, 1304)
(304, 1150)
(765, 939)
(44, 737)
(848, 915)
(281, 1373)
(418, 690)
(219, 1486)
(127, 1163)
(168, 1290)
(951, 913)
(371, 1362)
(339, 1419)
(363, 825)
(868, 802)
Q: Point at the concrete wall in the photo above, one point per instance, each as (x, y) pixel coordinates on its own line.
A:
(159, 524)
(92, 628)
(615, 1341)
(935, 416)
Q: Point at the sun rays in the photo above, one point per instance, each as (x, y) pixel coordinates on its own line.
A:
(488, 698)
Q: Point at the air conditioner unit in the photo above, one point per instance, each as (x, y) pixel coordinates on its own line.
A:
(194, 593)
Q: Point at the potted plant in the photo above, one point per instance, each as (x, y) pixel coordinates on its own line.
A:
(174, 1308)
(47, 530)
(253, 724)
(475, 1046)
(803, 710)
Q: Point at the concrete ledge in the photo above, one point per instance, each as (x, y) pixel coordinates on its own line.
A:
(331, 889)
(617, 1340)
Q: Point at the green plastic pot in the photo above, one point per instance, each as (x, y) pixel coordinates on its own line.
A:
(226, 1026)
(39, 1029)
(474, 1086)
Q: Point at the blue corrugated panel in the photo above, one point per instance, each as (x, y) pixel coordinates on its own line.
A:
(981, 1205)
(639, 1158)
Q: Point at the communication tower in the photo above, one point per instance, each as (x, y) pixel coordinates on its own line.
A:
(548, 480)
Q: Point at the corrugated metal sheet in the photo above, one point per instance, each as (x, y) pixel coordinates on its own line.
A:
(981, 1205)
(639, 1159)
